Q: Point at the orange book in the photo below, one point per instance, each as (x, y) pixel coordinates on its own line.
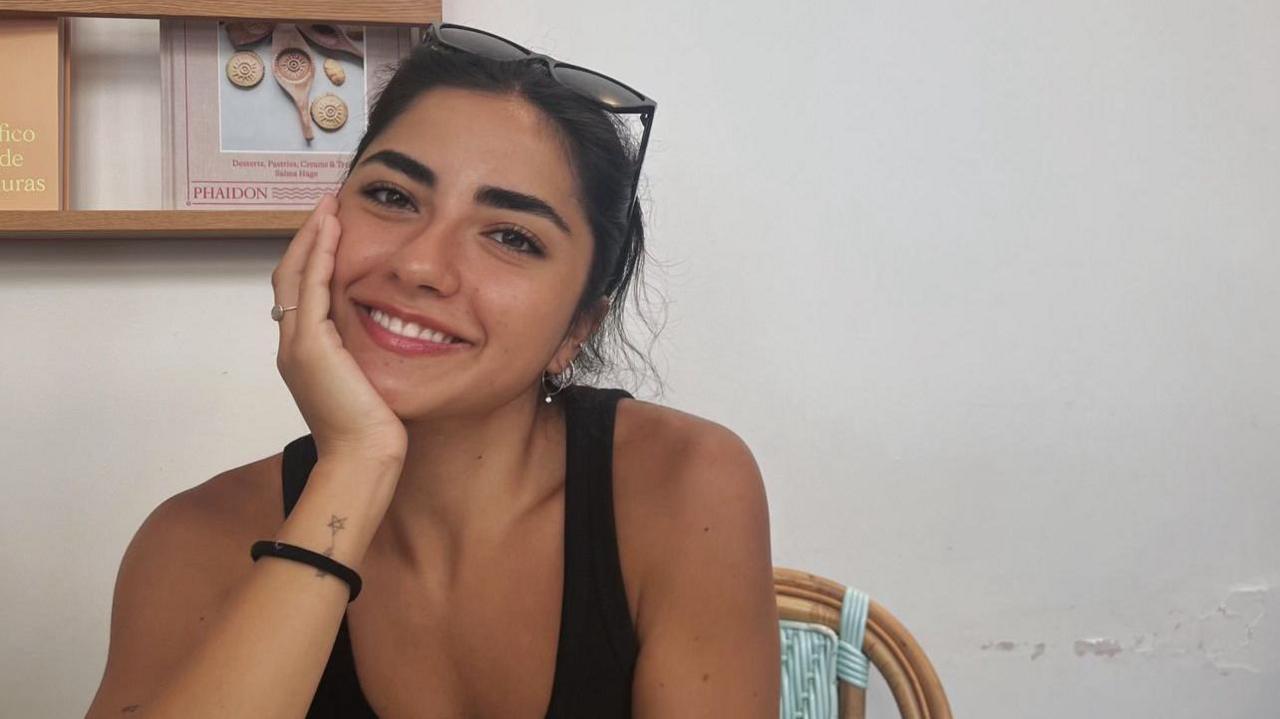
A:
(32, 114)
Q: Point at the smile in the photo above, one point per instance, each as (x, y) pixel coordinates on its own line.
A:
(395, 325)
(397, 335)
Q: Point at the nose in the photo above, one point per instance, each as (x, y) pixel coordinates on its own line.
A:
(428, 258)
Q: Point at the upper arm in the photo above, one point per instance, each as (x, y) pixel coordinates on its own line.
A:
(708, 621)
(165, 595)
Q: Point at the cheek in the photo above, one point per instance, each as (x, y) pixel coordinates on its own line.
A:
(355, 251)
(529, 317)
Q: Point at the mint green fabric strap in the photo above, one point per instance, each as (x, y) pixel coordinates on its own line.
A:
(815, 659)
(808, 671)
(851, 664)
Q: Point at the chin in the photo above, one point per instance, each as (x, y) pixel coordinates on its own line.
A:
(402, 394)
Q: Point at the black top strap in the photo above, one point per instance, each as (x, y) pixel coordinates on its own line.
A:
(596, 658)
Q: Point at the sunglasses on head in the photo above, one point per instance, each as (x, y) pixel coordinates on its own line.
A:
(610, 94)
(614, 95)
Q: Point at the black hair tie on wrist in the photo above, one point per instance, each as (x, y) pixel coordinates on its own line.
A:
(306, 556)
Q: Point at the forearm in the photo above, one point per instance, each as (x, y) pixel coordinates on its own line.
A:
(267, 650)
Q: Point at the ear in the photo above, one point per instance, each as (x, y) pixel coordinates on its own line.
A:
(578, 335)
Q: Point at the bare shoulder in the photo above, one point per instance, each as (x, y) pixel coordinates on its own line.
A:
(682, 482)
(224, 509)
(205, 530)
(244, 496)
(174, 577)
(205, 517)
(675, 448)
(693, 521)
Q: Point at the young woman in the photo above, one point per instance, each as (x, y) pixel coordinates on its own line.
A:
(523, 546)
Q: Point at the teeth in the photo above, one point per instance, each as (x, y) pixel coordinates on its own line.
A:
(408, 329)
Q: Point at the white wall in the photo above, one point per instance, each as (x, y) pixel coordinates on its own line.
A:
(990, 288)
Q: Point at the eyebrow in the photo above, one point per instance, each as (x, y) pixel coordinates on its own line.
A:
(489, 195)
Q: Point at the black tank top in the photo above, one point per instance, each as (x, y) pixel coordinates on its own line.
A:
(597, 649)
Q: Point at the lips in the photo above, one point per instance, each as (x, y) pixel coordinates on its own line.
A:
(408, 317)
(399, 344)
(409, 329)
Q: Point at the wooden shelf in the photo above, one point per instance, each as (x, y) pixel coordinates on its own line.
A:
(148, 224)
(381, 12)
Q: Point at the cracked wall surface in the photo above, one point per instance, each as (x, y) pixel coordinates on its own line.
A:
(1222, 635)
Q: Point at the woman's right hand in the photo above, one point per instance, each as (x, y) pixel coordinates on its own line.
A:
(346, 415)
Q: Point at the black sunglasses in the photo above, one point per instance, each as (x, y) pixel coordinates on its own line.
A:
(612, 95)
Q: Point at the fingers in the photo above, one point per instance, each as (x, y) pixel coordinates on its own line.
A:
(288, 274)
(313, 298)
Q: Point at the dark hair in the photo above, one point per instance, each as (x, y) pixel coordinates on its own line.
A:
(603, 157)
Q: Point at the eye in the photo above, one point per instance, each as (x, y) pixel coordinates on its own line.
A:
(517, 239)
(388, 196)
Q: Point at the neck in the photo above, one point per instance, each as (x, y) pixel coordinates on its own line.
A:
(467, 480)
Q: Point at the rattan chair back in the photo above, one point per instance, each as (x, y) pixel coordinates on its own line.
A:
(806, 597)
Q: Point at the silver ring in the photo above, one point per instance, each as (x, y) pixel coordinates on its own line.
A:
(277, 311)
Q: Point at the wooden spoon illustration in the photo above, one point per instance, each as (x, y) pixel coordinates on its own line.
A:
(293, 68)
(331, 37)
(242, 34)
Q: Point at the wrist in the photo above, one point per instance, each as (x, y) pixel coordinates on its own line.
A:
(363, 461)
(342, 506)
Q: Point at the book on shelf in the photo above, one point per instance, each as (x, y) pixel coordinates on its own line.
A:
(261, 115)
(34, 112)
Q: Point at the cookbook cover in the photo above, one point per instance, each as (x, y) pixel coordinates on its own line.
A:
(32, 105)
(265, 115)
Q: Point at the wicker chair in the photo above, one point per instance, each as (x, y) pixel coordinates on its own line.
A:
(822, 623)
